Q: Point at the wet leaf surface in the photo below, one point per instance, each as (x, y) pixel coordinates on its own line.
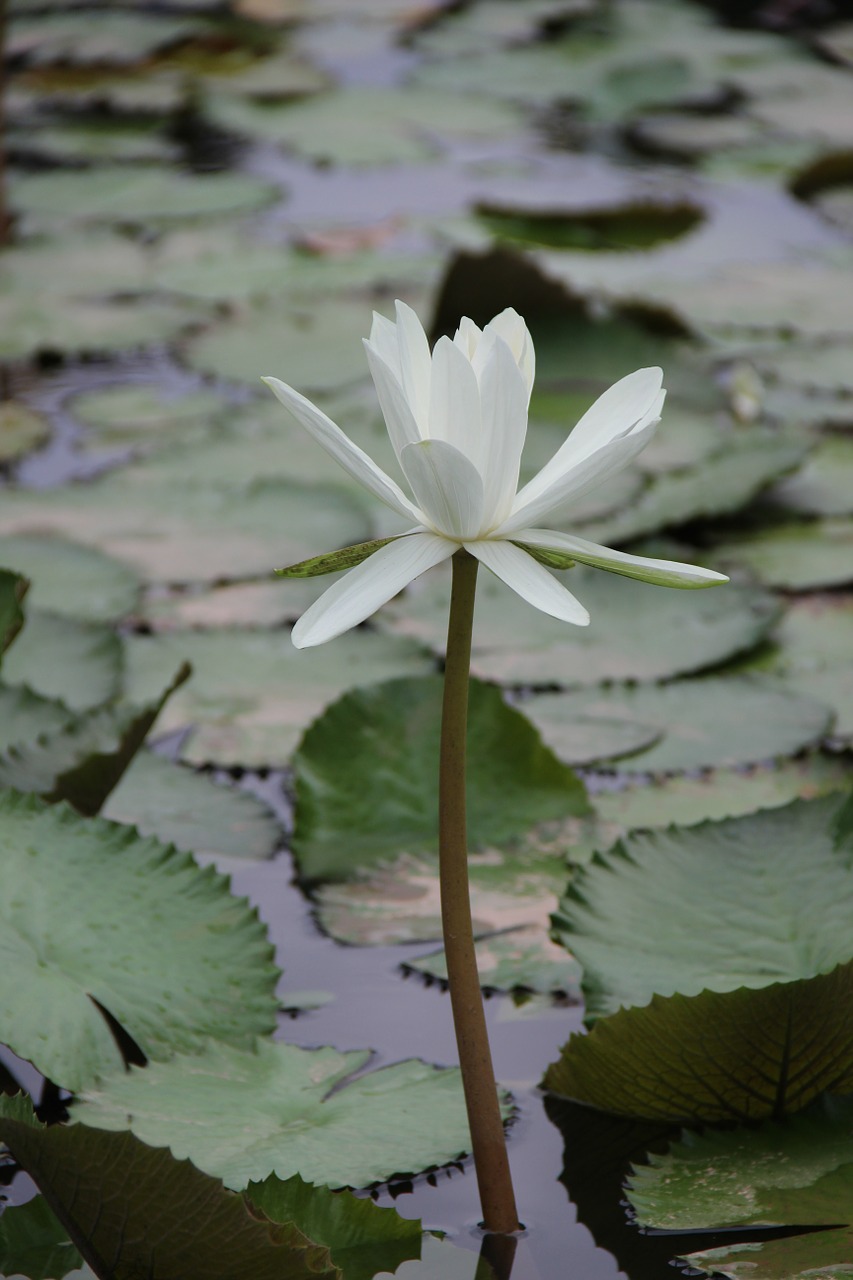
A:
(78, 663)
(75, 581)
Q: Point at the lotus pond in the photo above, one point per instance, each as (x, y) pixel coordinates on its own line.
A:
(222, 988)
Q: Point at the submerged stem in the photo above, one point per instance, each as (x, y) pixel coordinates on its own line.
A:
(478, 1077)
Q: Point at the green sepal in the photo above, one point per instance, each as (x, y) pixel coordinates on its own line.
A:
(334, 561)
(550, 559)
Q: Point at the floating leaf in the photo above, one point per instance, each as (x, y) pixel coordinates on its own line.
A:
(33, 323)
(632, 226)
(367, 778)
(519, 959)
(813, 646)
(13, 588)
(796, 556)
(238, 604)
(744, 1020)
(34, 1243)
(242, 1116)
(129, 1208)
(192, 811)
(252, 694)
(106, 140)
(799, 1173)
(95, 917)
(79, 663)
(636, 632)
(21, 430)
(822, 486)
(69, 579)
(705, 723)
(143, 415)
(84, 761)
(116, 39)
(24, 716)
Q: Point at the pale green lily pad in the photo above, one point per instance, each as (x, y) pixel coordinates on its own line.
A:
(745, 1020)
(41, 322)
(520, 959)
(192, 811)
(690, 136)
(73, 265)
(399, 1119)
(140, 1208)
(367, 778)
(94, 912)
(367, 126)
(129, 93)
(279, 77)
(137, 195)
(823, 366)
(252, 694)
(795, 556)
(241, 604)
(110, 141)
(76, 581)
(799, 1173)
(115, 39)
(637, 632)
(823, 486)
(79, 663)
(144, 415)
(21, 430)
(24, 716)
(175, 532)
(704, 723)
(315, 349)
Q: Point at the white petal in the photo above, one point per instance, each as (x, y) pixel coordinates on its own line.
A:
(467, 336)
(354, 461)
(447, 486)
(530, 580)
(626, 407)
(369, 585)
(383, 339)
(662, 573)
(454, 406)
(510, 326)
(576, 481)
(503, 397)
(415, 365)
(399, 419)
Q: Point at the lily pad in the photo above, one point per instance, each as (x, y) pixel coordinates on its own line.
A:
(24, 716)
(637, 632)
(520, 959)
(703, 723)
(253, 694)
(94, 262)
(823, 485)
(239, 604)
(21, 430)
(192, 811)
(144, 416)
(138, 195)
(105, 141)
(42, 323)
(294, 1118)
(76, 581)
(79, 663)
(745, 1020)
(796, 556)
(799, 1174)
(367, 778)
(98, 918)
(13, 588)
(116, 39)
(138, 1207)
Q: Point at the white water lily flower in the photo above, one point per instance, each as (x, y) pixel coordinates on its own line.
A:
(457, 419)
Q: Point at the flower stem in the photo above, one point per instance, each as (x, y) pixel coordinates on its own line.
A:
(475, 1058)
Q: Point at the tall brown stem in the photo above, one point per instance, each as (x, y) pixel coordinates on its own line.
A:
(475, 1058)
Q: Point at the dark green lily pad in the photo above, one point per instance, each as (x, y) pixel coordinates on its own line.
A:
(77, 581)
(798, 1173)
(79, 663)
(253, 694)
(367, 778)
(399, 1119)
(796, 556)
(192, 811)
(95, 915)
(633, 226)
(745, 1020)
(138, 1207)
(21, 430)
(637, 632)
(703, 723)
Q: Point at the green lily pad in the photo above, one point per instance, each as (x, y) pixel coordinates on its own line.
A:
(105, 141)
(116, 39)
(132, 92)
(367, 778)
(637, 632)
(823, 485)
(631, 226)
(95, 915)
(253, 694)
(192, 811)
(138, 195)
(24, 716)
(93, 262)
(174, 533)
(84, 761)
(38, 323)
(13, 588)
(76, 581)
(815, 366)
(293, 1118)
(145, 416)
(21, 430)
(367, 126)
(798, 1173)
(703, 723)
(239, 604)
(79, 663)
(796, 556)
(689, 136)
(745, 1020)
(120, 1200)
(520, 959)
